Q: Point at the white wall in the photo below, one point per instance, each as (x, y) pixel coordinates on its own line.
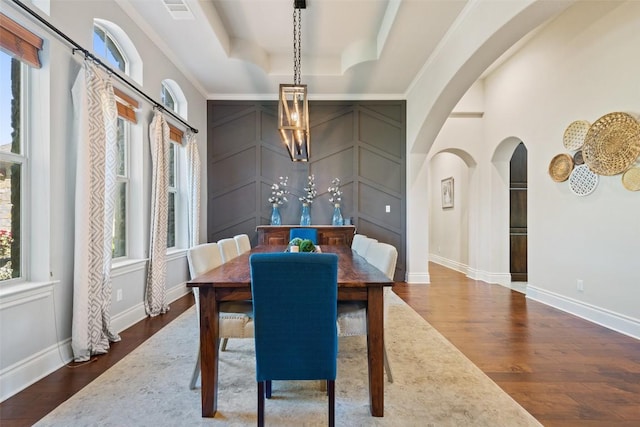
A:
(36, 319)
(579, 67)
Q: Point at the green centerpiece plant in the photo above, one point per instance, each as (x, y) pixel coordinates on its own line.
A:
(307, 246)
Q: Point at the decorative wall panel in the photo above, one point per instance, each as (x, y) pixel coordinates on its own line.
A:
(362, 143)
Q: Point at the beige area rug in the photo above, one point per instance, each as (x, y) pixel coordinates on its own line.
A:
(434, 385)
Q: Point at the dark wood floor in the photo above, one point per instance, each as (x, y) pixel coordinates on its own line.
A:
(563, 370)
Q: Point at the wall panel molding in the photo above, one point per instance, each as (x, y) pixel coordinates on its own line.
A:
(361, 142)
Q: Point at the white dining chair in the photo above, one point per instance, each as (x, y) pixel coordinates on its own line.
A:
(228, 249)
(357, 242)
(352, 316)
(243, 244)
(366, 244)
(235, 317)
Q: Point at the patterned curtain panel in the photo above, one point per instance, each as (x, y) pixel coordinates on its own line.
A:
(193, 184)
(95, 132)
(155, 299)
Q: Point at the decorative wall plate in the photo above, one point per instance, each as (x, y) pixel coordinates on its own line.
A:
(560, 167)
(612, 144)
(577, 158)
(582, 181)
(574, 135)
(631, 179)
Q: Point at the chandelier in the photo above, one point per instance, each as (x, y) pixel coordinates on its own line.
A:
(293, 106)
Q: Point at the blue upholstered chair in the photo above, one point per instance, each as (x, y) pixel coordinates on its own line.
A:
(304, 233)
(295, 314)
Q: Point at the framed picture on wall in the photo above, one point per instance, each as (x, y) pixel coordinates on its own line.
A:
(447, 192)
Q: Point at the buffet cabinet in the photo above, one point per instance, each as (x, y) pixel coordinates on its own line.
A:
(327, 234)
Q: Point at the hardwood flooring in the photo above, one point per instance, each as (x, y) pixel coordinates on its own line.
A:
(564, 370)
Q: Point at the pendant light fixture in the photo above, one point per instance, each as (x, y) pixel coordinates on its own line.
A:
(293, 106)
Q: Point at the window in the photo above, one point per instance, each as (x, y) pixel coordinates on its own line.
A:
(105, 46)
(13, 165)
(122, 183)
(168, 100)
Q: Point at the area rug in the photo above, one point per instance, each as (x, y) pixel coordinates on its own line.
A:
(434, 385)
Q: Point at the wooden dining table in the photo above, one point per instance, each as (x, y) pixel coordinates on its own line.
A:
(357, 281)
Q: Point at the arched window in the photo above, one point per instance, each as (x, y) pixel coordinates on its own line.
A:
(113, 46)
(167, 98)
(106, 47)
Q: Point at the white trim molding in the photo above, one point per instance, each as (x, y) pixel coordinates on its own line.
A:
(502, 279)
(26, 372)
(600, 316)
(417, 278)
(449, 263)
(133, 315)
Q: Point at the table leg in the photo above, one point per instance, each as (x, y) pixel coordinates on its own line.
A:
(209, 350)
(375, 349)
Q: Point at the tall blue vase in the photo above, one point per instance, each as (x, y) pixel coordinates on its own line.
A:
(336, 219)
(275, 215)
(305, 218)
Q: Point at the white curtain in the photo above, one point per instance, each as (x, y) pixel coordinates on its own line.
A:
(95, 132)
(155, 300)
(193, 188)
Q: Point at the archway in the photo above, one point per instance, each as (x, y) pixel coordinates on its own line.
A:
(451, 173)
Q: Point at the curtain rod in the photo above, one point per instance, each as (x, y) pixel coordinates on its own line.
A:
(102, 64)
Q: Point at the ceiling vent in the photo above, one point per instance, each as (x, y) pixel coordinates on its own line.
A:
(178, 9)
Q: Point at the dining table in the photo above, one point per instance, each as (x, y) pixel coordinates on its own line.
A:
(357, 281)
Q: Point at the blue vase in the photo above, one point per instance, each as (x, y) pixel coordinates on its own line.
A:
(336, 219)
(305, 218)
(275, 215)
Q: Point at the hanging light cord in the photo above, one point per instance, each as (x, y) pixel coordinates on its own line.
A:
(297, 35)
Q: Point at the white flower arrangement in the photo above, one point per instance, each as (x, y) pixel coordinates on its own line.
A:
(279, 192)
(335, 192)
(310, 189)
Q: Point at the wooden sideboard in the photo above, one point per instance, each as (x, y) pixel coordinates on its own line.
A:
(327, 234)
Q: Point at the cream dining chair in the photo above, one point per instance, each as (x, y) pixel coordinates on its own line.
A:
(366, 244)
(357, 242)
(228, 249)
(236, 317)
(243, 244)
(352, 315)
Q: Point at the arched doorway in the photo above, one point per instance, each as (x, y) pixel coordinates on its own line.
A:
(518, 214)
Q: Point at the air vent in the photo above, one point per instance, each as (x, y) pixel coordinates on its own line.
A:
(178, 9)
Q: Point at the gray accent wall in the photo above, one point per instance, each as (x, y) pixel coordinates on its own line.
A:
(362, 143)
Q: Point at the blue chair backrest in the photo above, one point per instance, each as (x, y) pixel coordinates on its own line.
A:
(295, 310)
(304, 233)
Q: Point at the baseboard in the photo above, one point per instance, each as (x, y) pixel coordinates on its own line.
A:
(133, 315)
(608, 319)
(24, 373)
(449, 263)
(416, 278)
(502, 279)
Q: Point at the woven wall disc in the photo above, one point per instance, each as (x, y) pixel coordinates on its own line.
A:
(612, 144)
(577, 158)
(560, 167)
(574, 134)
(631, 179)
(582, 181)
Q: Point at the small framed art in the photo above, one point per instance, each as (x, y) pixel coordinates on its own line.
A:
(447, 192)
